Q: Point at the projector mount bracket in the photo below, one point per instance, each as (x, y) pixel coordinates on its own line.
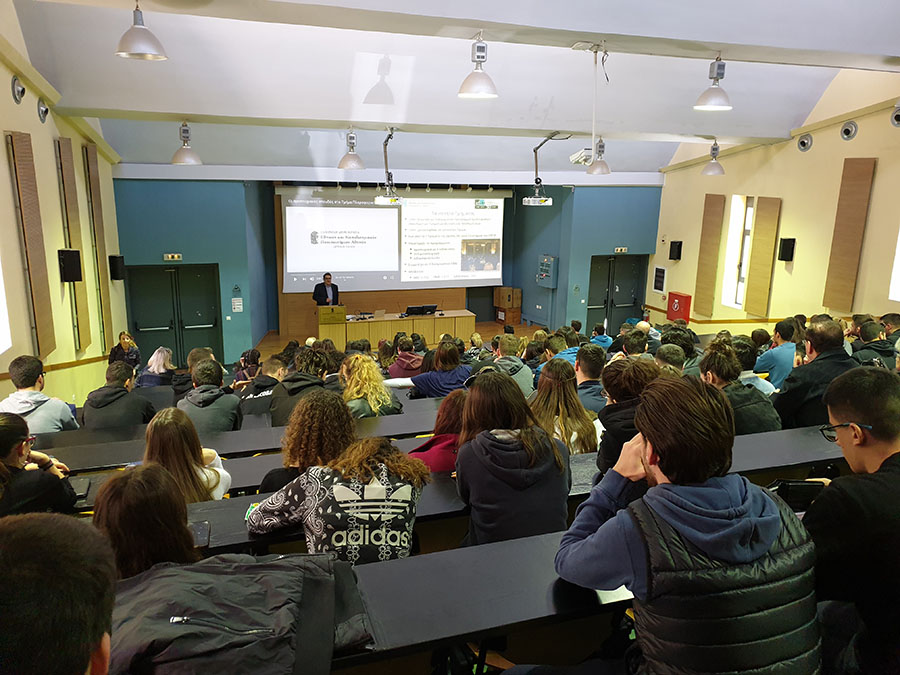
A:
(388, 176)
(538, 184)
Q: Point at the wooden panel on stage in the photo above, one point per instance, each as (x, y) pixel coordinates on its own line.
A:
(336, 332)
(458, 322)
(464, 326)
(357, 330)
(445, 324)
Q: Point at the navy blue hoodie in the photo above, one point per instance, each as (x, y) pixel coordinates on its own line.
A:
(727, 518)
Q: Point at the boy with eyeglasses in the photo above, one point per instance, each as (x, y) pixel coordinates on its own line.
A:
(855, 524)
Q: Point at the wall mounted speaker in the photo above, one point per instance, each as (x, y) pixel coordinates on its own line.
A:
(69, 264)
(116, 267)
(786, 249)
(675, 250)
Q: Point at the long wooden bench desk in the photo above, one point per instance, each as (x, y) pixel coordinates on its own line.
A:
(110, 455)
(439, 599)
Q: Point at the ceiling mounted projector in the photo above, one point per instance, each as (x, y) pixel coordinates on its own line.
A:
(387, 200)
(537, 200)
(583, 156)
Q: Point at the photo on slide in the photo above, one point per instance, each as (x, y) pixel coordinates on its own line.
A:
(480, 255)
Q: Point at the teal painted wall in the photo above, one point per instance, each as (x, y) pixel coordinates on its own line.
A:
(205, 221)
(262, 293)
(581, 223)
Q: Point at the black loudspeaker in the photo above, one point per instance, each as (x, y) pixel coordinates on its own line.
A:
(675, 250)
(786, 249)
(116, 267)
(69, 264)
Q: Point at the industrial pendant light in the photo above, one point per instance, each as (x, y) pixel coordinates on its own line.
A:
(478, 84)
(139, 43)
(351, 161)
(185, 154)
(598, 165)
(713, 167)
(715, 97)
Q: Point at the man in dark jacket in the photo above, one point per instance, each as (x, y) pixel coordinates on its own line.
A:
(182, 382)
(721, 571)
(589, 364)
(682, 338)
(800, 401)
(623, 380)
(855, 524)
(115, 405)
(256, 397)
(210, 408)
(875, 346)
(326, 293)
(312, 365)
(891, 323)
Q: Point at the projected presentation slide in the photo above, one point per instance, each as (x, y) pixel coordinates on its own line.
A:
(424, 243)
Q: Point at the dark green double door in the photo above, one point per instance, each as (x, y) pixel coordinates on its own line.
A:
(174, 307)
(617, 290)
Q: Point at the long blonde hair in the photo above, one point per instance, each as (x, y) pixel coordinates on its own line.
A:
(362, 379)
(172, 441)
(161, 361)
(557, 405)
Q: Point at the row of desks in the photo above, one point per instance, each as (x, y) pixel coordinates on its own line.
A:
(753, 453)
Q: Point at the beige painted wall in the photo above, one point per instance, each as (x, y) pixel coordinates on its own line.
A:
(73, 384)
(808, 183)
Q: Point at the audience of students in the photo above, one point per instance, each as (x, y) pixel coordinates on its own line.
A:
(448, 374)
(511, 473)
(855, 524)
(533, 355)
(799, 403)
(256, 397)
(142, 513)
(671, 355)
(556, 406)
(44, 414)
(652, 334)
(778, 361)
(364, 390)
(30, 481)
(408, 363)
(115, 405)
(172, 441)
(563, 345)
(319, 430)
(682, 337)
(208, 405)
(343, 506)
(589, 364)
(875, 346)
(753, 411)
(623, 381)
(125, 350)
(182, 383)
(159, 369)
(475, 344)
(616, 345)
(507, 362)
(310, 367)
(59, 583)
(722, 573)
(761, 338)
(891, 323)
(439, 452)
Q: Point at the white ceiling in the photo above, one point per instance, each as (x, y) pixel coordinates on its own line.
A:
(276, 83)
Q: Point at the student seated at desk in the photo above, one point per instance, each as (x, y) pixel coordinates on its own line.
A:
(143, 515)
(44, 414)
(447, 375)
(855, 525)
(30, 481)
(439, 451)
(172, 441)
(557, 406)
(319, 430)
(256, 397)
(116, 405)
(364, 390)
(311, 365)
(362, 505)
(208, 405)
(511, 473)
(721, 571)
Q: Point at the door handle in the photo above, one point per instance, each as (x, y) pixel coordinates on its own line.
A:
(145, 330)
(596, 306)
(201, 325)
(630, 304)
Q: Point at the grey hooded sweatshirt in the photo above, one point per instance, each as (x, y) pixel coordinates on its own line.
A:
(43, 414)
(517, 370)
(211, 409)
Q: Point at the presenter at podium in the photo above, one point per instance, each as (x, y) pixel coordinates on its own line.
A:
(326, 293)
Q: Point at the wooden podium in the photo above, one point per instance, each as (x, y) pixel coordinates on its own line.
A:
(332, 322)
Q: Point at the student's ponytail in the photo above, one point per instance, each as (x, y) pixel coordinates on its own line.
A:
(721, 360)
(13, 430)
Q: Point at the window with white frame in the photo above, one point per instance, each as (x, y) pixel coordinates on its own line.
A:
(737, 251)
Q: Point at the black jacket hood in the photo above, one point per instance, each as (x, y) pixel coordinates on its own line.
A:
(258, 384)
(204, 395)
(103, 396)
(296, 382)
(502, 454)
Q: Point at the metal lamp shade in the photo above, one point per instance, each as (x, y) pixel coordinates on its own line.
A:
(186, 155)
(713, 168)
(478, 84)
(351, 161)
(139, 43)
(598, 167)
(713, 99)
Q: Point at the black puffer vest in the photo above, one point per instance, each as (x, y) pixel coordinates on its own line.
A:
(705, 616)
